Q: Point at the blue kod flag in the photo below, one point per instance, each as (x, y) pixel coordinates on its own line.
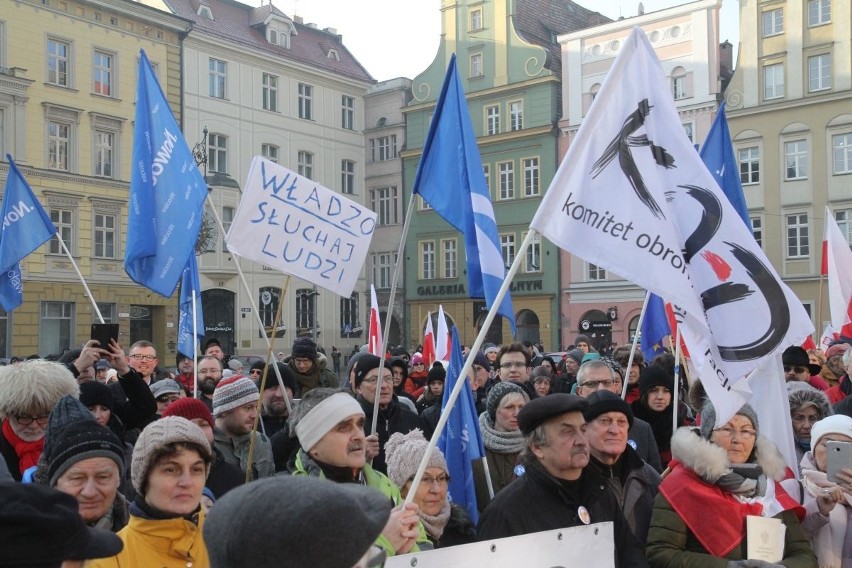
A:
(655, 326)
(718, 155)
(26, 226)
(167, 192)
(461, 440)
(189, 287)
(450, 178)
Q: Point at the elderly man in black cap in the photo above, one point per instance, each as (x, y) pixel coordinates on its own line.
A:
(632, 481)
(557, 490)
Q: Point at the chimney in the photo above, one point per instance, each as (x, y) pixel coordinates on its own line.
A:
(299, 19)
(332, 31)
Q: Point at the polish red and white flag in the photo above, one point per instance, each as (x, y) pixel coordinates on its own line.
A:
(374, 343)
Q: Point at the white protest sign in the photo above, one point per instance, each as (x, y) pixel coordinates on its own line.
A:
(590, 545)
(299, 227)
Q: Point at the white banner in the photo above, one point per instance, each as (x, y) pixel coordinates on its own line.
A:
(590, 545)
(633, 196)
(299, 227)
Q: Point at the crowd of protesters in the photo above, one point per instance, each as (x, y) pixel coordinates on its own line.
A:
(286, 454)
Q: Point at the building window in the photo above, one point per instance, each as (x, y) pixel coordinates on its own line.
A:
(798, 245)
(689, 130)
(595, 272)
(773, 81)
(105, 236)
(217, 153)
(305, 310)
(227, 219)
(382, 267)
(475, 20)
(64, 221)
(347, 177)
(104, 149)
(476, 69)
(486, 171)
(103, 73)
(267, 306)
(423, 204)
(349, 313)
(492, 120)
(449, 251)
(306, 96)
(347, 112)
(796, 160)
(58, 145)
(384, 201)
(58, 62)
(218, 71)
(679, 87)
(270, 92)
(819, 72)
(305, 162)
(108, 312)
(844, 222)
(386, 148)
(757, 230)
(270, 152)
(842, 158)
(507, 180)
(533, 263)
(427, 263)
(773, 22)
(56, 329)
(819, 12)
(749, 159)
(531, 176)
(507, 248)
(516, 115)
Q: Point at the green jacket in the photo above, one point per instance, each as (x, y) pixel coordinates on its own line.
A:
(304, 465)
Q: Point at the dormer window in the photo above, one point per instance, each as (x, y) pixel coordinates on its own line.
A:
(205, 12)
(332, 54)
(272, 36)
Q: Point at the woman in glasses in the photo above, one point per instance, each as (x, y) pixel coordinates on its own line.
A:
(446, 524)
(717, 480)
(28, 392)
(655, 406)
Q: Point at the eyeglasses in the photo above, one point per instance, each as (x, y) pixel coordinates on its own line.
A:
(796, 369)
(729, 433)
(441, 480)
(168, 398)
(606, 383)
(513, 365)
(138, 357)
(387, 379)
(25, 420)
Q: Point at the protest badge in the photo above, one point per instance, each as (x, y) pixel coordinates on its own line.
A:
(588, 545)
(295, 225)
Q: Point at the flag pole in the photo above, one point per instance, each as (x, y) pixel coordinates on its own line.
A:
(250, 296)
(77, 270)
(676, 392)
(194, 342)
(477, 344)
(488, 477)
(633, 346)
(394, 279)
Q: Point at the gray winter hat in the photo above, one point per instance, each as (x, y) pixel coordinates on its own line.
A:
(297, 518)
(498, 392)
(708, 419)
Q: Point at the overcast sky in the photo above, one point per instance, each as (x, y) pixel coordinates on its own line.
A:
(387, 50)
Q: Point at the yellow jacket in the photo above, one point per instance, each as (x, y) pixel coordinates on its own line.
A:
(169, 543)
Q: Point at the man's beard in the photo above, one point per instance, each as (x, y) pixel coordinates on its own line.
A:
(207, 386)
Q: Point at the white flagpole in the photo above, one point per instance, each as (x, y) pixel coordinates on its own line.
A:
(194, 345)
(676, 380)
(77, 269)
(477, 345)
(250, 296)
(633, 346)
(394, 279)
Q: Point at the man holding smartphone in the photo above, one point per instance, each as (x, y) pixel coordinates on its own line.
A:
(134, 403)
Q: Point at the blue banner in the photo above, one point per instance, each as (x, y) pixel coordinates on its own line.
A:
(655, 326)
(717, 153)
(450, 178)
(461, 440)
(189, 287)
(167, 192)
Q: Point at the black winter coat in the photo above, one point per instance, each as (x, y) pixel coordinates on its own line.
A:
(395, 418)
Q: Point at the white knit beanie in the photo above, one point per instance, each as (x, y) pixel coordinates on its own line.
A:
(837, 424)
(232, 393)
(403, 454)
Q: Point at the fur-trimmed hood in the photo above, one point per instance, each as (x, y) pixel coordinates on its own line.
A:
(34, 387)
(801, 393)
(710, 462)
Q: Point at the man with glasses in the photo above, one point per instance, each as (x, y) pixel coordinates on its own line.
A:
(393, 415)
(135, 405)
(309, 367)
(798, 367)
(513, 364)
(605, 374)
(209, 374)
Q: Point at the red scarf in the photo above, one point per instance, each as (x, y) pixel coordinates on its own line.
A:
(691, 498)
(28, 452)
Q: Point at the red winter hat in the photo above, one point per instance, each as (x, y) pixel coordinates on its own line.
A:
(189, 408)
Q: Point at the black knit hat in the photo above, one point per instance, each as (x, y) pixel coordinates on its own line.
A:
(80, 441)
(654, 376)
(305, 347)
(93, 392)
(366, 364)
(436, 373)
(272, 380)
(603, 401)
